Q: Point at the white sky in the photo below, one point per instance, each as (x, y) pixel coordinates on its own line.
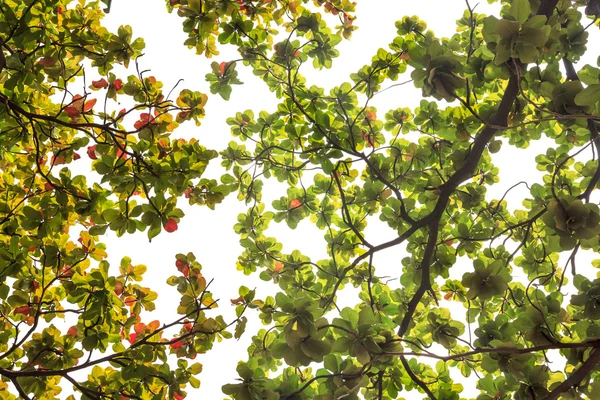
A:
(209, 234)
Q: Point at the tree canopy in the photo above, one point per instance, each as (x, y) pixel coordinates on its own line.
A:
(486, 288)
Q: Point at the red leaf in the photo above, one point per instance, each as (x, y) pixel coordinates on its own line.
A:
(22, 310)
(171, 225)
(72, 112)
(76, 156)
(72, 331)
(118, 84)
(177, 344)
(180, 265)
(46, 61)
(91, 152)
(100, 84)
(57, 160)
(144, 120)
(183, 115)
(132, 337)
(119, 288)
(76, 107)
(187, 193)
(178, 396)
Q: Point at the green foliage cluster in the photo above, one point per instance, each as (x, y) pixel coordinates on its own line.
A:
(497, 85)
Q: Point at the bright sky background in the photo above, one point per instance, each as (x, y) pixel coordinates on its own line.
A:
(209, 234)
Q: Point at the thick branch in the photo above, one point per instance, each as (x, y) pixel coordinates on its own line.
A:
(464, 173)
(547, 7)
(19, 388)
(577, 376)
(499, 350)
(425, 285)
(593, 127)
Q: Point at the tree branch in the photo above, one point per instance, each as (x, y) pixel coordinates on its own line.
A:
(576, 377)
(416, 379)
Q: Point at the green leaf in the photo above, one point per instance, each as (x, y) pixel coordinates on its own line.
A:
(507, 29)
(588, 96)
(520, 10)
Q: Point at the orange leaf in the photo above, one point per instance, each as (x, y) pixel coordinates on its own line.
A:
(295, 203)
(278, 266)
(139, 328)
(77, 101)
(121, 153)
(130, 301)
(89, 105)
(152, 326)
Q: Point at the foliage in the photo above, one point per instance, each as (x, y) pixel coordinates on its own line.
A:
(495, 86)
(62, 77)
